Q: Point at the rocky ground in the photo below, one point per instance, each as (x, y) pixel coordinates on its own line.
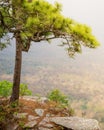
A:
(35, 113)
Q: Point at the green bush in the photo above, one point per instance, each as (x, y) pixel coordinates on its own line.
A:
(61, 100)
(58, 97)
(24, 90)
(6, 89)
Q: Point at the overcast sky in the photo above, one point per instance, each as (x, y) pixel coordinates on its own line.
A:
(90, 12)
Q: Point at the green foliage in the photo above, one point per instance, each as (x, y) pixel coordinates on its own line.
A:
(39, 20)
(2, 46)
(24, 90)
(6, 89)
(58, 97)
(61, 100)
(14, 104)
(21, 124)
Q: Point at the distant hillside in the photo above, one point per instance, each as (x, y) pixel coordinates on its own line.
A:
(47, 66)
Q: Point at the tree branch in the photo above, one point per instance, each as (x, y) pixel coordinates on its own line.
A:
(42, 39)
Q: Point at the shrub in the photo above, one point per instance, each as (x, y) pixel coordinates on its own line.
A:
(6, 89)
(24, 90)
(61, 100)
(58, 97)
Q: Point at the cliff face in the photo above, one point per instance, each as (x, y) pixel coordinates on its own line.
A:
(37, 113)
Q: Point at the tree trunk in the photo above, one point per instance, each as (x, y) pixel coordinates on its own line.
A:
(17, 70)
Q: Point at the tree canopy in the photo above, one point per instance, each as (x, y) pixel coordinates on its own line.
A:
(38, 20)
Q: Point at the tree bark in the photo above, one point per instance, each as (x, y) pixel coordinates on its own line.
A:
(17, 70)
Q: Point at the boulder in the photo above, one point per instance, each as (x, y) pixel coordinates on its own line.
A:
(76, 123)
(39, 112)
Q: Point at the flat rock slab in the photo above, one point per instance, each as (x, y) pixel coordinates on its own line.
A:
(30, 124)
(31, 118)
(76, 123)
(20, 115)
(42, 128)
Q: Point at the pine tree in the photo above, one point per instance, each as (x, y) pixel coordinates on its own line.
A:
(38, 20)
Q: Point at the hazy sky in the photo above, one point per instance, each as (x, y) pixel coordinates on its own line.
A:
(90, 12)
